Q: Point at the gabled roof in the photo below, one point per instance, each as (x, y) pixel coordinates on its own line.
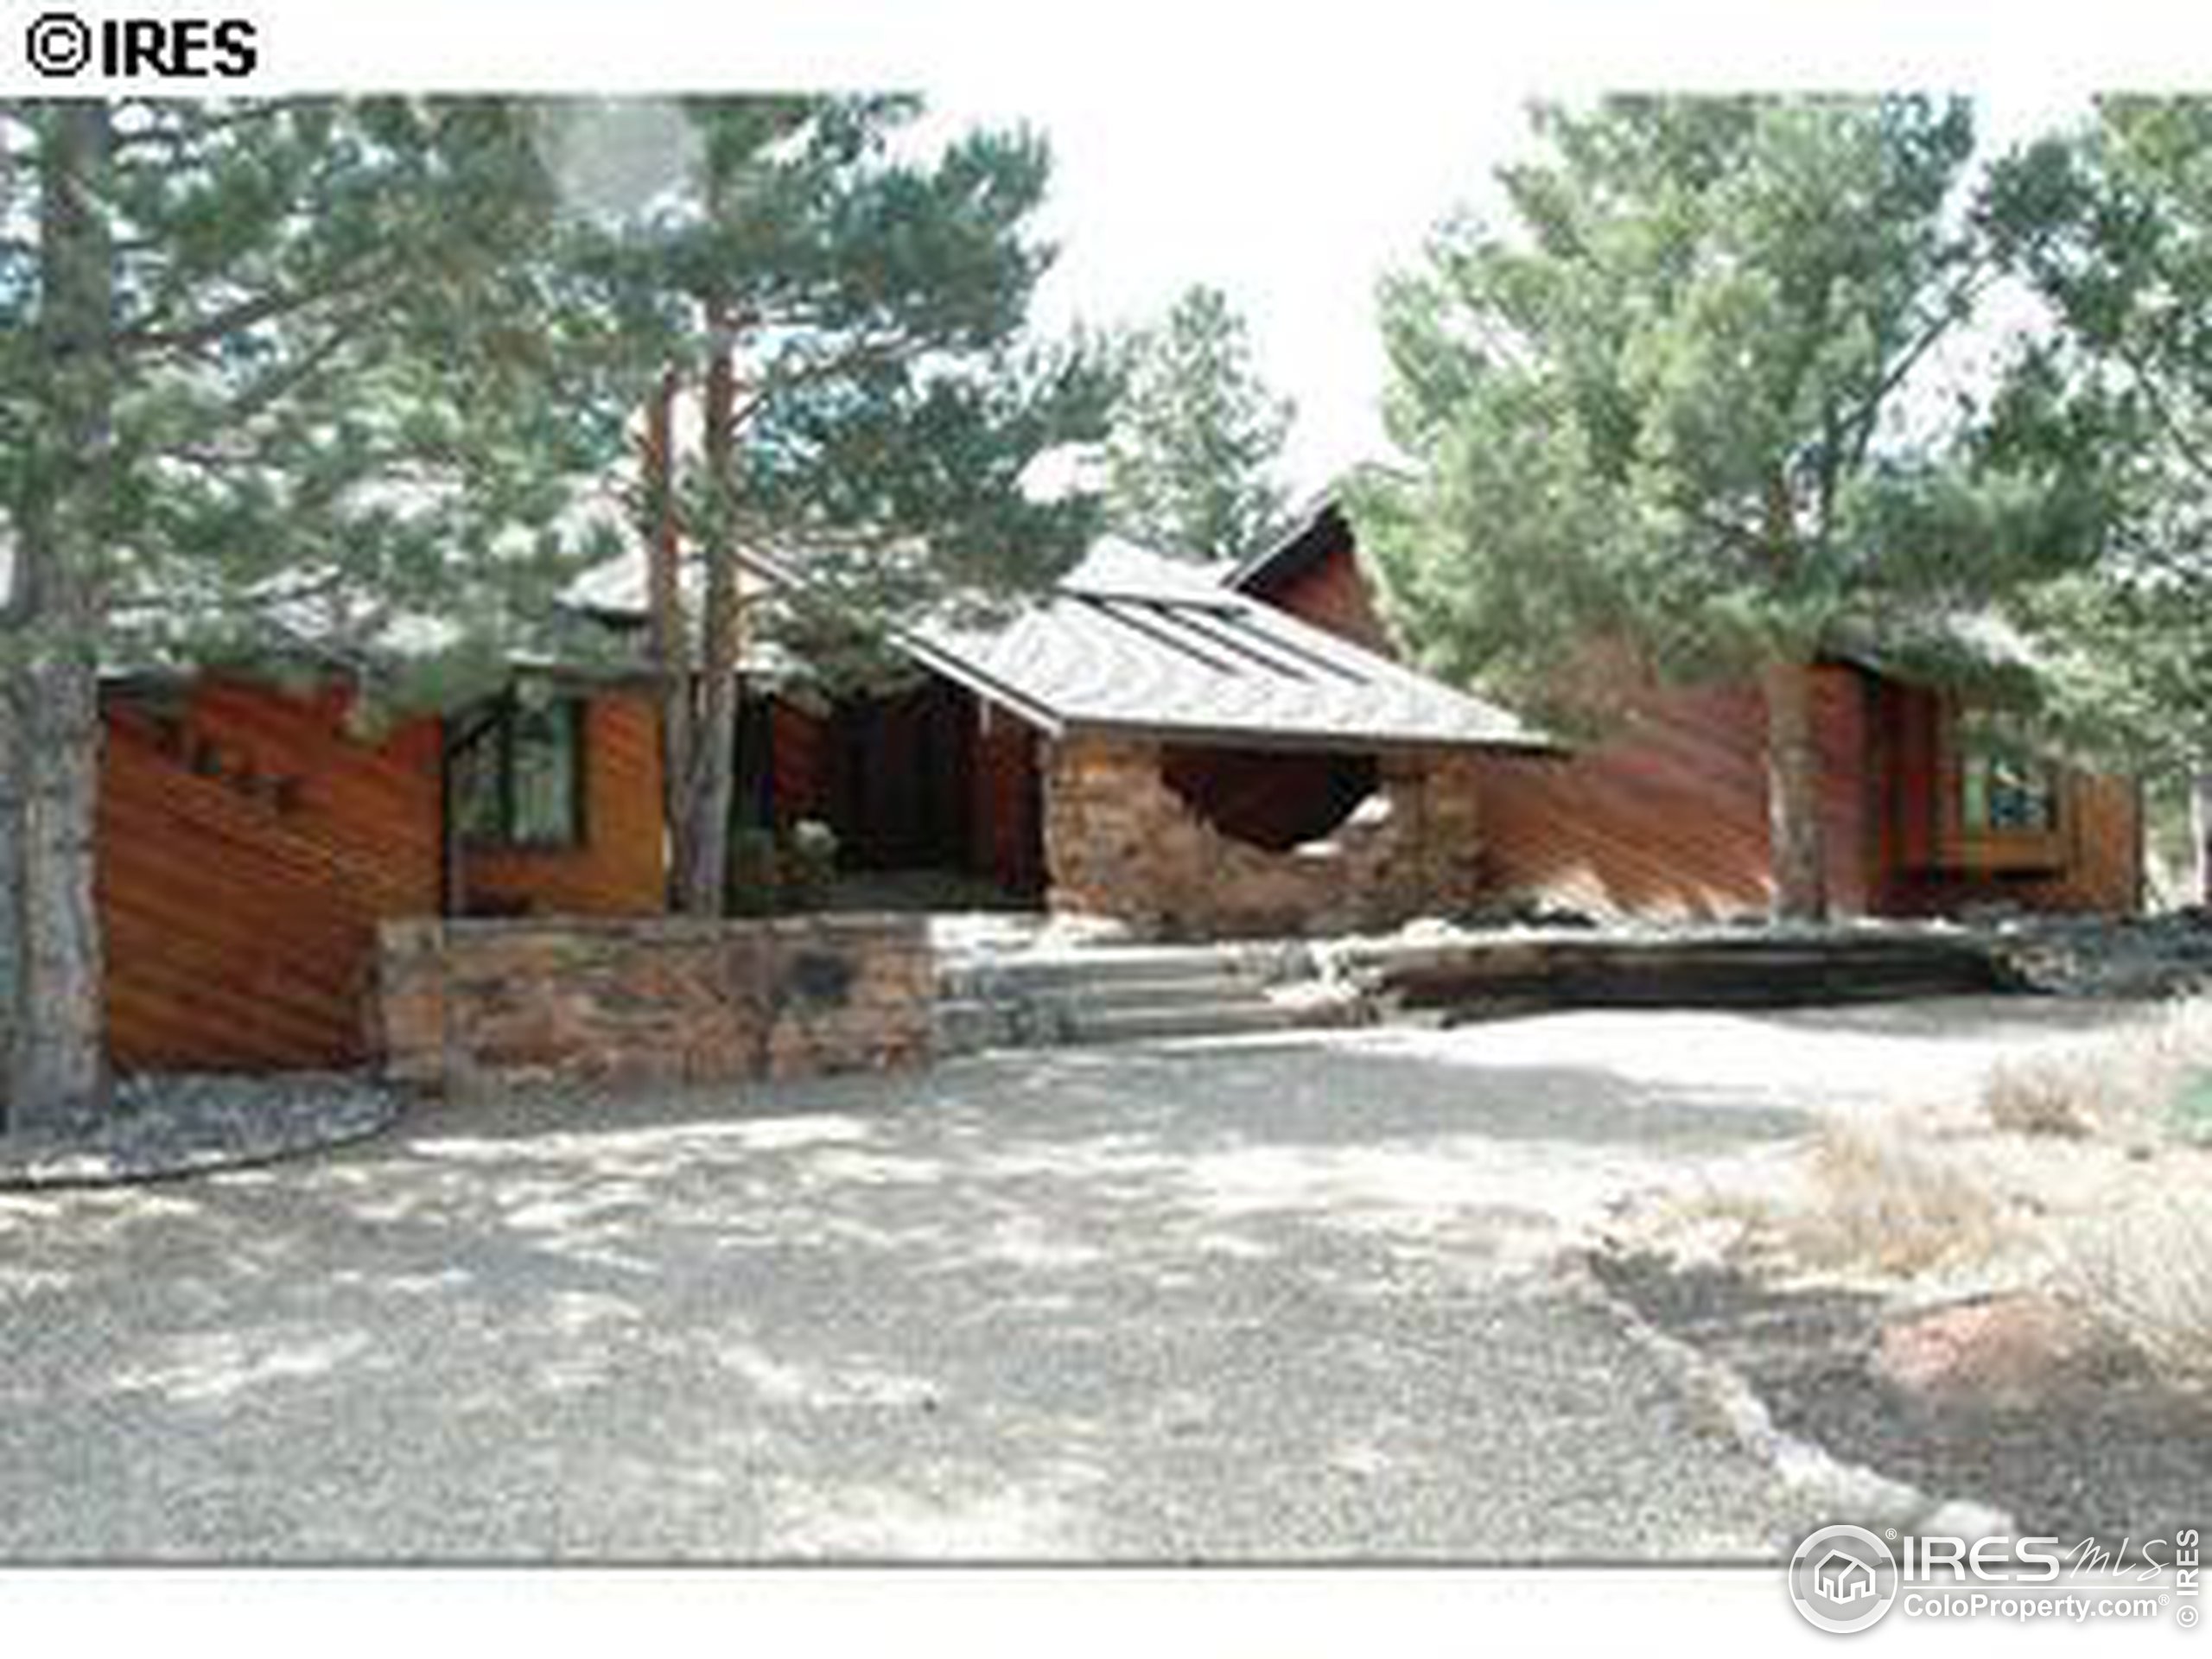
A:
(1321, 529)
(1133, 643)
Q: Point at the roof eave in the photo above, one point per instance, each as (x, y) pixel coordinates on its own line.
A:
(1287, 741)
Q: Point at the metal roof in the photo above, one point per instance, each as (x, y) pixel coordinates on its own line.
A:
(1131, 642)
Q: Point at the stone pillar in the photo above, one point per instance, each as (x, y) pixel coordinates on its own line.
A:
(1119, 843)
(1452, 832)
(1109, 831)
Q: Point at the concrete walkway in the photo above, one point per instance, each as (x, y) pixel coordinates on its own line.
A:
(1276, 1299)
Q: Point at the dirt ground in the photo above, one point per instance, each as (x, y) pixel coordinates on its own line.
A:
(1345, 1296)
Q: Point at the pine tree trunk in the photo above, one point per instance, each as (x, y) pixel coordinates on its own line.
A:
(705, 725)
(14, 932)
(1795, 842)
(52, 1048)
(706, 879)
(2200, 833)
(51, 1030)
(671, 642)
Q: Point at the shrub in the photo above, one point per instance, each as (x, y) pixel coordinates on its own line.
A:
(2042, 1097)
(2191, 1114)
(1880, 1202)
(2153, 1080)
(2144, 1270)
(755, 871)
(810, 864)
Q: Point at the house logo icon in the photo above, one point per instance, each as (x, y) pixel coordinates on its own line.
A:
(1843, 1578)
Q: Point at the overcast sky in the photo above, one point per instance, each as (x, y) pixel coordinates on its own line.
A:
(1292, 162)
(1290, 155)
(1295, 206)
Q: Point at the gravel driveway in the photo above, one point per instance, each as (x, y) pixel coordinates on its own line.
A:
(1280, 1300)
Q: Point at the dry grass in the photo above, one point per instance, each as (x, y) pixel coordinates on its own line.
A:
(2144, 1272)
(1882, 1202)
(2047, 1096)
(2084, 1172)
(2141, 1263)
(2127, 1085)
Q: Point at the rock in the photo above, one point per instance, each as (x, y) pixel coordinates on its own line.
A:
(2119, 956)
(655, 1000)
(1122, 841)
(178, 1124)
(2009, 1351)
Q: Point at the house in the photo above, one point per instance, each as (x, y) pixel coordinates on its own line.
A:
(1147, 745)
(1190, 755)
(1143, 744)
(1929, 803)
(252, 834)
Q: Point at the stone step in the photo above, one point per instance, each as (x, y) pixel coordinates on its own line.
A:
(1044, 971)
(1758, 971)
(965, 1027)
(1146, 993)
(1198, 1020)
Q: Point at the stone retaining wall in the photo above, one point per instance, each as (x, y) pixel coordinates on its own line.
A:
(1120, 841)
(662, 1000)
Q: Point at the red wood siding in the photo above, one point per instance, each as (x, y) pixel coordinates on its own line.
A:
(2092, 862)
(248, 847)
(901, 790)
(1008, 835)
(1667, 816)
(1843, 728)
(1666, 813)
(622, 868)
(1331, 593)
(797, 765)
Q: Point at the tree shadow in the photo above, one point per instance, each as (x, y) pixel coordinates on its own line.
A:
(1262, 1299)
(1153, 1305)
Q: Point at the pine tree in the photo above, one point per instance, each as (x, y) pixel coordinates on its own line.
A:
(1692, 398)
(848, 392)
(272, 375)
(1199, 437)
(2113, 226)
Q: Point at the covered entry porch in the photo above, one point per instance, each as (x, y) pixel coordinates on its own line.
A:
(1150, 747)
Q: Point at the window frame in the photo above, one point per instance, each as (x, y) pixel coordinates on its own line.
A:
(1977, 739)
(500, 728)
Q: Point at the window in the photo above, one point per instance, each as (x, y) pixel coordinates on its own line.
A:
(2004, 788)
(517, 773)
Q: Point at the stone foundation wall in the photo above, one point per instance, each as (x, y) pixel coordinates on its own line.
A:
(1119, 841)
(660, 1000)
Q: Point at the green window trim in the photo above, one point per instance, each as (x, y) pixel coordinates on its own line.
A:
(2005, 788)
(516, 779)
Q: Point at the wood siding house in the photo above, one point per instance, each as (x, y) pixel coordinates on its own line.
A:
(1144, 744)
(1149, 742)
(1665, 813)
(1141, 743)
(251, 839)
